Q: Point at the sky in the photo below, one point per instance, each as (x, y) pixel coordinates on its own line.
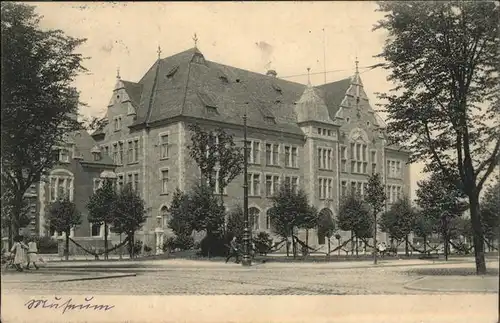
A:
(288, 37)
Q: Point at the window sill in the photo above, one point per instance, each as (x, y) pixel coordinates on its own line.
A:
(164, 194)
(326, 169)
(133, 163)
(272, 165)
(255, 196)
(292, 167)
(164, 158)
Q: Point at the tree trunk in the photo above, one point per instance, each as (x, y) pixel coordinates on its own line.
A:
(328, 246)
(446, 247)
(375, 249)
(287, 247)
(357, 246)
(406, 246)
(66, 247)
(105, 240)
(478, 237)
(352, 243)
(425, 245)
(131, 246)
(11, 236)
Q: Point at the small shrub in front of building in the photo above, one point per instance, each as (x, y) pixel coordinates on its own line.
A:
(213, 246)
(178, 243)
(263, 243)
(47, 245)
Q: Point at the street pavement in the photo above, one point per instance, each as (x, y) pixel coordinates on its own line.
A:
(190, 277)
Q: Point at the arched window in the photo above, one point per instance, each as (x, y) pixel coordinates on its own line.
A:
(325, 225)
(253, 216)
(164, 216)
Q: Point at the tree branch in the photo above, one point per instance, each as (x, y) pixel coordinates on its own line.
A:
(491, 162)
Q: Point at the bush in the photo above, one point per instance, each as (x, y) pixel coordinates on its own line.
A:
(216, 245)
(138, 247)
(263, 243)
(461, 248)
(47, 245)
(147, 249)
(183, 242)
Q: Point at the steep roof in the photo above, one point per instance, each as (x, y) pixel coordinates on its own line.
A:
(333, 94)
(186, 84)
(134, 91)
(312, 107)
(84, 145)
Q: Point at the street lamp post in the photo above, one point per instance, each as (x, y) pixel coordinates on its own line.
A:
(246, 231)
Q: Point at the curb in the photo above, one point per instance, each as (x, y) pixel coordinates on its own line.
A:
(120, 275)
(409, 286)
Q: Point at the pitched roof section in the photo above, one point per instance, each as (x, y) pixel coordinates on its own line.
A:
(134, 91)
(232, 90)
(311, 107)
(84, 145)
(333, 94)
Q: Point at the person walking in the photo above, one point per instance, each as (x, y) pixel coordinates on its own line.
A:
(32, 253)
(233, 251)
(19, 252)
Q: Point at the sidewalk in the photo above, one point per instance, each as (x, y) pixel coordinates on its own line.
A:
(48, 275)
(455, 284)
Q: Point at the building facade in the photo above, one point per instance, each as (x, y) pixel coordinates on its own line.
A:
(324, 139)
(77, 174)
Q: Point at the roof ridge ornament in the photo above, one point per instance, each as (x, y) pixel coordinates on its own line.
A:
(118, 73)
(309, 76)
(159, 52)
(195, 39)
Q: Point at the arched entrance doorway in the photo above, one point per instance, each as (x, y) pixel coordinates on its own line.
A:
(253, 218)
(325, 225)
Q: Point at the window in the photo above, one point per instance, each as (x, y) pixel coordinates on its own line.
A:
(114, 152)
(319, 131)
(164, 216)
(374, 161)
(394, 193)
(95, 229)
(272, 154)
(291, 156)
(292, 182)
(133, 181)
(120, 152)
(394, 169)
(253, 215)
(325, 158)
(272, 185)
(60, 187)
(117, 123)
(268, 219)
(217, 184)
(359, 187)
(359, 161)
(164, 181)
(325, 188)
(64, 155)
(254, 157)
(343, 188)
(164, 146)
(133, 151)
(120, 182)
(98, 182)
(253, 184)
(343, 158)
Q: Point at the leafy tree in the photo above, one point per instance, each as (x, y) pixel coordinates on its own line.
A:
(38, 69)
(441, 201)
(490, 211)
(289, 212)
(7, 209)
(100, 207)
(424, 226)
(236, 222)
(354, 216)
(443, 59)
(399, 221)
(215, 150)
(326, 227)
(309, 221)
(207, 214)
(181, 219)
(128, 214)
(375, 197)
(63, 216)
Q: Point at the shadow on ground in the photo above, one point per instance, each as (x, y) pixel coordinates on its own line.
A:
(450, 272)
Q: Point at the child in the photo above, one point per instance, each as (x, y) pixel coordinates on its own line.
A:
(18, 249)
(32, 253)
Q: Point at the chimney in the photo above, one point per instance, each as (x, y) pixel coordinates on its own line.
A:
(271, 73)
